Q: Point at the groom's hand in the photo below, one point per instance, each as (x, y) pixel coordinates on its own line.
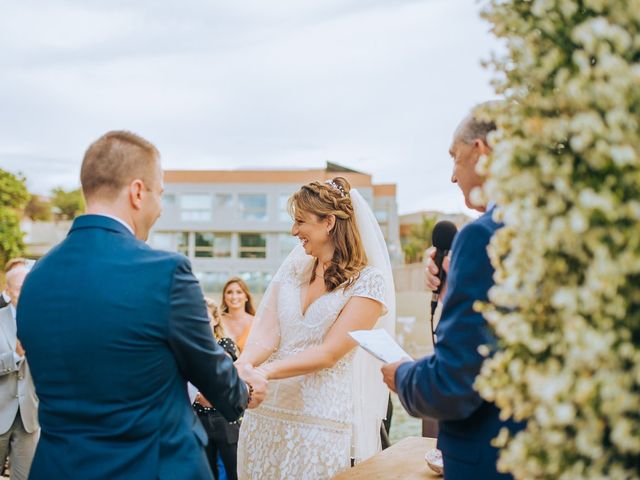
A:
(389, 373)
(257, 381)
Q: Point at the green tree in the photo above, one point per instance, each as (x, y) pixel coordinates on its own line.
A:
(38, 208)
(419, 240)
(68, 204)
(13, 198)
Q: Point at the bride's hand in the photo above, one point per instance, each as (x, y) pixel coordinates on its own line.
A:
(256, 378)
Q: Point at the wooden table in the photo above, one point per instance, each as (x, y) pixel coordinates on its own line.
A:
(403, 460)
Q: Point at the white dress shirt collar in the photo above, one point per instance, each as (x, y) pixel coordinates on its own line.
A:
(118, 219)
(12, 309)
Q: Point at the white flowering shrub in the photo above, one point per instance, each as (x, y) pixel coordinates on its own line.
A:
(565, 173)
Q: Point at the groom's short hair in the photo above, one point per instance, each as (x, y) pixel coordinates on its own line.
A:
(115, 160)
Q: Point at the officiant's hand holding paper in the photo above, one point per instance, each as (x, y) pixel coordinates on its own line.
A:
(389, 373)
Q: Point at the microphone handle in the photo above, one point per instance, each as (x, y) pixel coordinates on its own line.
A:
(435, 296)
(442, 275)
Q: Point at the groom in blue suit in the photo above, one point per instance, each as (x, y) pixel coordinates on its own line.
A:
(441, 385)
(115, 329)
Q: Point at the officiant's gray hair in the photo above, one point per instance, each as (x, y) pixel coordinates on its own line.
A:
(475, 126)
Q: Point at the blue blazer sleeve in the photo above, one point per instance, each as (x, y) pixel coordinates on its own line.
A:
(441, 385)
(200, 359)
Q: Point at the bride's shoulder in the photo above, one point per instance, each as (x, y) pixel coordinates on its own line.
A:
(370, 277)
(369, 271)
(370, 284)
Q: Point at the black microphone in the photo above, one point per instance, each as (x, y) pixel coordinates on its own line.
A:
(442, 237)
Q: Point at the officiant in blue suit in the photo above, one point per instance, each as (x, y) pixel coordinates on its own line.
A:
(114, 330)
(441, 385)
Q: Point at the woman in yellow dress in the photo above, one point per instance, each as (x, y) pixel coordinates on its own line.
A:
(237, 310)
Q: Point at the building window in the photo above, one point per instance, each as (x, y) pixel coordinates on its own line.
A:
(253, 206)
(223, 200)
(212, 282)
(171, 241)
(195, 207)
(212, 245)
(382, 215)
(222, 245)
(283, 210)
(162, 240)
(253, 245)
(168, 200)
(286, 243)
(256, 281)
(182, 243)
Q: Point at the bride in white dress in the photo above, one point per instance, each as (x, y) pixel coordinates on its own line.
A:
(325, 400)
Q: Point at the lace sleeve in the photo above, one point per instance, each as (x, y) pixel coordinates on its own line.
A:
(370, 284)
(264, 338)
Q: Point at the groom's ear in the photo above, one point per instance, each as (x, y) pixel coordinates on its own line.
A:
(136, 189)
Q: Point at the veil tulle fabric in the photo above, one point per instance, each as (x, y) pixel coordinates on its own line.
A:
(370, 394)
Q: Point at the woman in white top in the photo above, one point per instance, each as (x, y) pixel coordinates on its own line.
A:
(325, 399)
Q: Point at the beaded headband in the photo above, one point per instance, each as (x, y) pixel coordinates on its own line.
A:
(337, 187)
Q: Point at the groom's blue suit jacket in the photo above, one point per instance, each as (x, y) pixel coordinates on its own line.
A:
(441, 385)
(113, 331)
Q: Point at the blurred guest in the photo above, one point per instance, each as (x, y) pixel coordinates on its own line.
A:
(18, 401)
(237, 310)
(11, 264)
(223, 435)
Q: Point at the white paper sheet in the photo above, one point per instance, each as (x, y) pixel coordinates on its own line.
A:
(379, 344)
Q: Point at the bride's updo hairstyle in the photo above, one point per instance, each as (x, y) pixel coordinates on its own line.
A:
(332, 198)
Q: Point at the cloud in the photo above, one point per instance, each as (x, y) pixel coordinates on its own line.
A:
(374, 85)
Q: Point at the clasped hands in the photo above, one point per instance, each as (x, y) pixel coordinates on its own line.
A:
(257, 379)
(251, 376)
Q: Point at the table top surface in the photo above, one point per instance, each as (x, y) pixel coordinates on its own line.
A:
(403, 460)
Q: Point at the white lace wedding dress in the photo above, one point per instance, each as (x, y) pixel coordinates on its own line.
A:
(303, 430)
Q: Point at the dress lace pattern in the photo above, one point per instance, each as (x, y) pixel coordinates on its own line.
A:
(303, 429)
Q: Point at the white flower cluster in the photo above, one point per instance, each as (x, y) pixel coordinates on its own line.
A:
(565, 174)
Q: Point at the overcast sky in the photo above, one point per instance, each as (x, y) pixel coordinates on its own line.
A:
(376, 85)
